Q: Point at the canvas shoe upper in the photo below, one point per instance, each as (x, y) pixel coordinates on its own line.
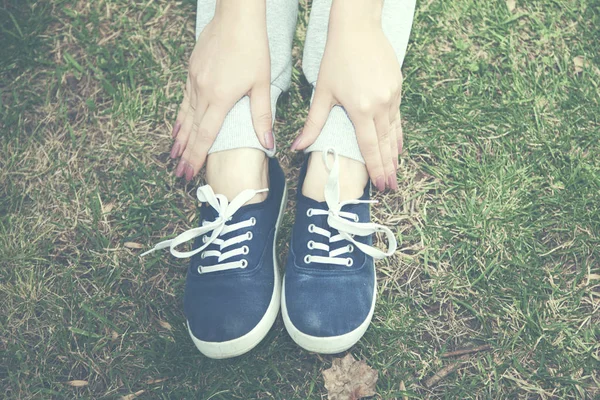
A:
(233, 286)
(329, 288)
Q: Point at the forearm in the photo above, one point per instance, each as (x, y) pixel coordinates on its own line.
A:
(253, 10)
(355, 14)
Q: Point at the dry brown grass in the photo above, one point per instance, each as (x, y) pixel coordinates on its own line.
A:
(497, 215)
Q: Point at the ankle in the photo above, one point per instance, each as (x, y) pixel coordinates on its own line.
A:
(353, 178)
(230, 172)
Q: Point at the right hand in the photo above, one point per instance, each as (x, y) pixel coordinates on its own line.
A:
(230, 60)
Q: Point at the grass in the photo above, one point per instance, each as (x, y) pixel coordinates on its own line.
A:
(498, 215)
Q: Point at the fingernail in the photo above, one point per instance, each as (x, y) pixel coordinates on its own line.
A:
(176, 129)
(269, 140)
(175, 150)
(392, 182)
(180, 169)
(380, 184)
(296, 143)
(189, 173)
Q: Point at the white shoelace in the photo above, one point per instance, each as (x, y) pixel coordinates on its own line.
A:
(219, 228)
(346, 223)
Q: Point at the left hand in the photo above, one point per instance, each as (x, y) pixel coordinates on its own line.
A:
(360, 72)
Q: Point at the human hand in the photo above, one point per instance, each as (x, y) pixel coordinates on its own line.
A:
(230, 60)
(360, 72)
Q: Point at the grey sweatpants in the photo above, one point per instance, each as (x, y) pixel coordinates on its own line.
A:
(237, 130)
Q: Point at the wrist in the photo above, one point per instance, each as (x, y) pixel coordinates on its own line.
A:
(254, 10)
(356, 13)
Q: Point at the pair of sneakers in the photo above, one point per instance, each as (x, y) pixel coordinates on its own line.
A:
(234, 288)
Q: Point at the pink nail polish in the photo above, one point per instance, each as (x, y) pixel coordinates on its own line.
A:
(180, 169)
(175, 150)
(395, 163)
(296, 143)
(176, 129)
(380, 184)
(269, 140)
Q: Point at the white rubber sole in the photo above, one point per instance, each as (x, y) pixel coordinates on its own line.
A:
(243, 344)
(329, 344)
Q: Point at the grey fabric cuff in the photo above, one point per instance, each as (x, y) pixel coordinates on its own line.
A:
(238, 131)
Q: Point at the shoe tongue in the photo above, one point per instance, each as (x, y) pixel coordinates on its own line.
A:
(311, 203)
(208, 213)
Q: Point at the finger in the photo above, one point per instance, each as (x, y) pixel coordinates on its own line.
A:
(262, 118)
(183, 132)
(382, 124)
(395, 116)
(399, 134)
(196, 111)
(366, 135)
(203, 136)
(317, 116)
(394, 120)
(183, 108)
(394, 140)
(395, 105)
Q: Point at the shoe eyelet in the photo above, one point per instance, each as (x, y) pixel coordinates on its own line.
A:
(309, 212)
(356, 219)
(249, 235)
(204, 239)
(349, 262)
(307, 259)
(253, 221)
(245, 250)
(199, 269)
(350, 249)
(311, 228)
(202, 256)
(310, 245)
(244, 264)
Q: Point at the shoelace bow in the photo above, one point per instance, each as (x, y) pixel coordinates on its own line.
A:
(345, 223)
(218, 227)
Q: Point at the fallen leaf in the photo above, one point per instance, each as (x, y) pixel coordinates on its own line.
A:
(593, 277)
(77, 383)
(132, 245)
(107, 208)
(114, 335)
(348, 379)
(132, 395)
(165, 324)
(511, 5)
(579, 63)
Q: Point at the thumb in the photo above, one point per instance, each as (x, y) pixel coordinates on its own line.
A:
(317, 116)
(262, 119)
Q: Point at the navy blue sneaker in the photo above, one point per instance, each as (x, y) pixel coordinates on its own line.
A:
(329, 287)
(233, 287)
